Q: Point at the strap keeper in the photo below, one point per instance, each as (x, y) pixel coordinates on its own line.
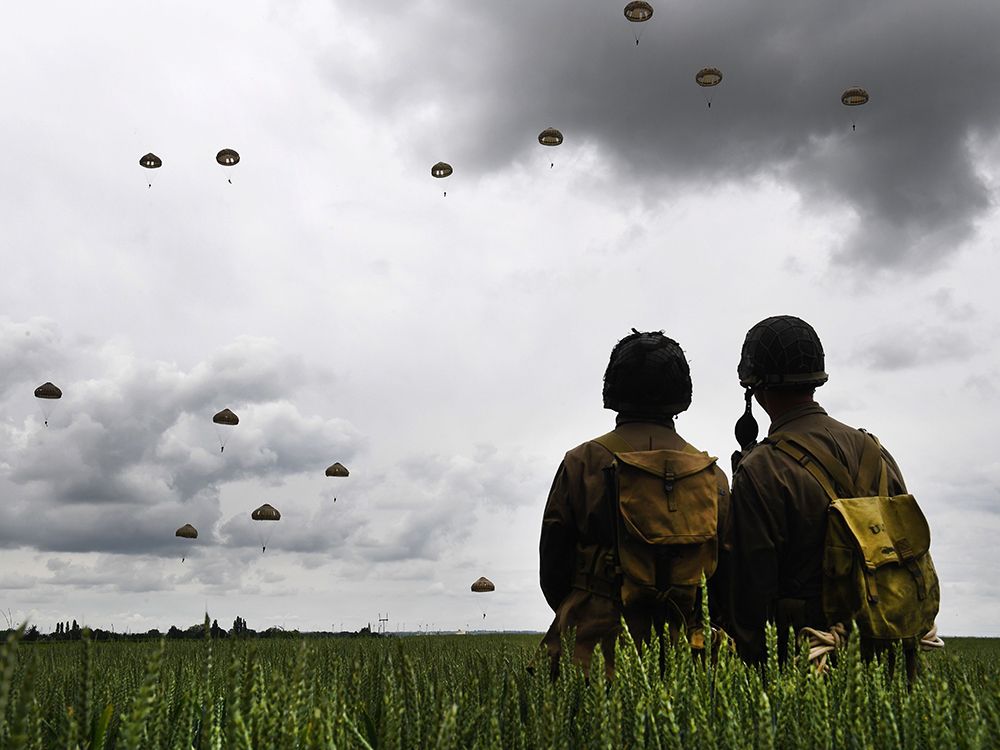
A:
(668, 487)
(871, 586)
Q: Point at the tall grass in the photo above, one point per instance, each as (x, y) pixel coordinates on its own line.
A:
(476, 692)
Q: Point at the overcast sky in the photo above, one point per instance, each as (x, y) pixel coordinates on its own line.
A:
(449, 350)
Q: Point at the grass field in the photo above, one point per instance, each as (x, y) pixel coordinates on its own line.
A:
(476, 692)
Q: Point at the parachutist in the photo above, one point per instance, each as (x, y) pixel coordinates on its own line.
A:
(229, 181)
(551, 164)
(46, 423)
(710, 105)
(636, 42)
(853, 126)
(182, 559)
(222, 449)
(263, 549)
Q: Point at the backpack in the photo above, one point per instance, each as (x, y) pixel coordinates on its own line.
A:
(666, 505)
(877, 568)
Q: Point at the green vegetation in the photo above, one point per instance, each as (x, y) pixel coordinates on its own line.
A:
(476, 692)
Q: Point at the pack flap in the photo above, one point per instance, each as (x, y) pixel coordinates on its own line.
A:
(887, 529)
(668, 497)
(679, 463)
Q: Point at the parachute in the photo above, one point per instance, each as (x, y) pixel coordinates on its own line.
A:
(266, 512)
(638, 11)
(187, 531)
(337, 470)
(227, 420)
(708, 77)
(550, 137)
(440, 170)
(227, 157)
(150, 161)
(854, 97)
(46, 393)
(483, 585)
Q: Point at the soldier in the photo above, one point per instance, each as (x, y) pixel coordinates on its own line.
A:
(779, 508)
(647, 382)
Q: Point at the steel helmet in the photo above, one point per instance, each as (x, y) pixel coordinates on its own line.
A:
(647, 373)
(782, 352)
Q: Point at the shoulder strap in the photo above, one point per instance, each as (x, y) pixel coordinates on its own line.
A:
(614, 443)
(808, 453)
(872, 467)
(808, 464)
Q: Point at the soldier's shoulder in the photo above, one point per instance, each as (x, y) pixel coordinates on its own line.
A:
(586, 450)
(760, 457)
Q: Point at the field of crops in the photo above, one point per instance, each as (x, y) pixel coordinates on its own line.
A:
(476, 692)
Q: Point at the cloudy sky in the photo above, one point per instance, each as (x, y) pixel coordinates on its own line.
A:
(449, 350)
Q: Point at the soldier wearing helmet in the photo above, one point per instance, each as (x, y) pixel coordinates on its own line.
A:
(774, 570)
(648, 383)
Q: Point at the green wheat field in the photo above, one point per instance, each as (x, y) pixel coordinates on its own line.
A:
(477, 692)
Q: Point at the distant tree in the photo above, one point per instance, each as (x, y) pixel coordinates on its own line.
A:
(31, 634)
(174, 632)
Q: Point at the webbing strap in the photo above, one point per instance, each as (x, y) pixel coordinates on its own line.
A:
(809, 465)
(614, 443)
(834, 469)
(872, 466)
(905, 552)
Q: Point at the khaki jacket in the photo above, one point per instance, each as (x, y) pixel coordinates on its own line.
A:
(577, 520)
(773, 569)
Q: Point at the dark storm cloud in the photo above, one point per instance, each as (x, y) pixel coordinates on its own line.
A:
(478, 85)
(131, 453)
(422, 508)
(926, 346)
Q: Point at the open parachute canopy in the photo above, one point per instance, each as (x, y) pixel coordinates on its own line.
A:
(550, 137)
(854, 97)
(150, 161)
(441, 169)
(337, 470)
(47, 390)
(226, 417)
(187, 531)
(483, 585)
(227, 157)
(708, 77)
(266, 512)
(638, 11)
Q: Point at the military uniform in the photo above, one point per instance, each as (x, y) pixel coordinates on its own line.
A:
(578, 534)
(779, 520)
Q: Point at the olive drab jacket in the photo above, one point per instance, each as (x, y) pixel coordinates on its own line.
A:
(577, 524)
(774, 566)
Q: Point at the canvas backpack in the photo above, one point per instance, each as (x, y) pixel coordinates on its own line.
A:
(666, 506)
(877, 568)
